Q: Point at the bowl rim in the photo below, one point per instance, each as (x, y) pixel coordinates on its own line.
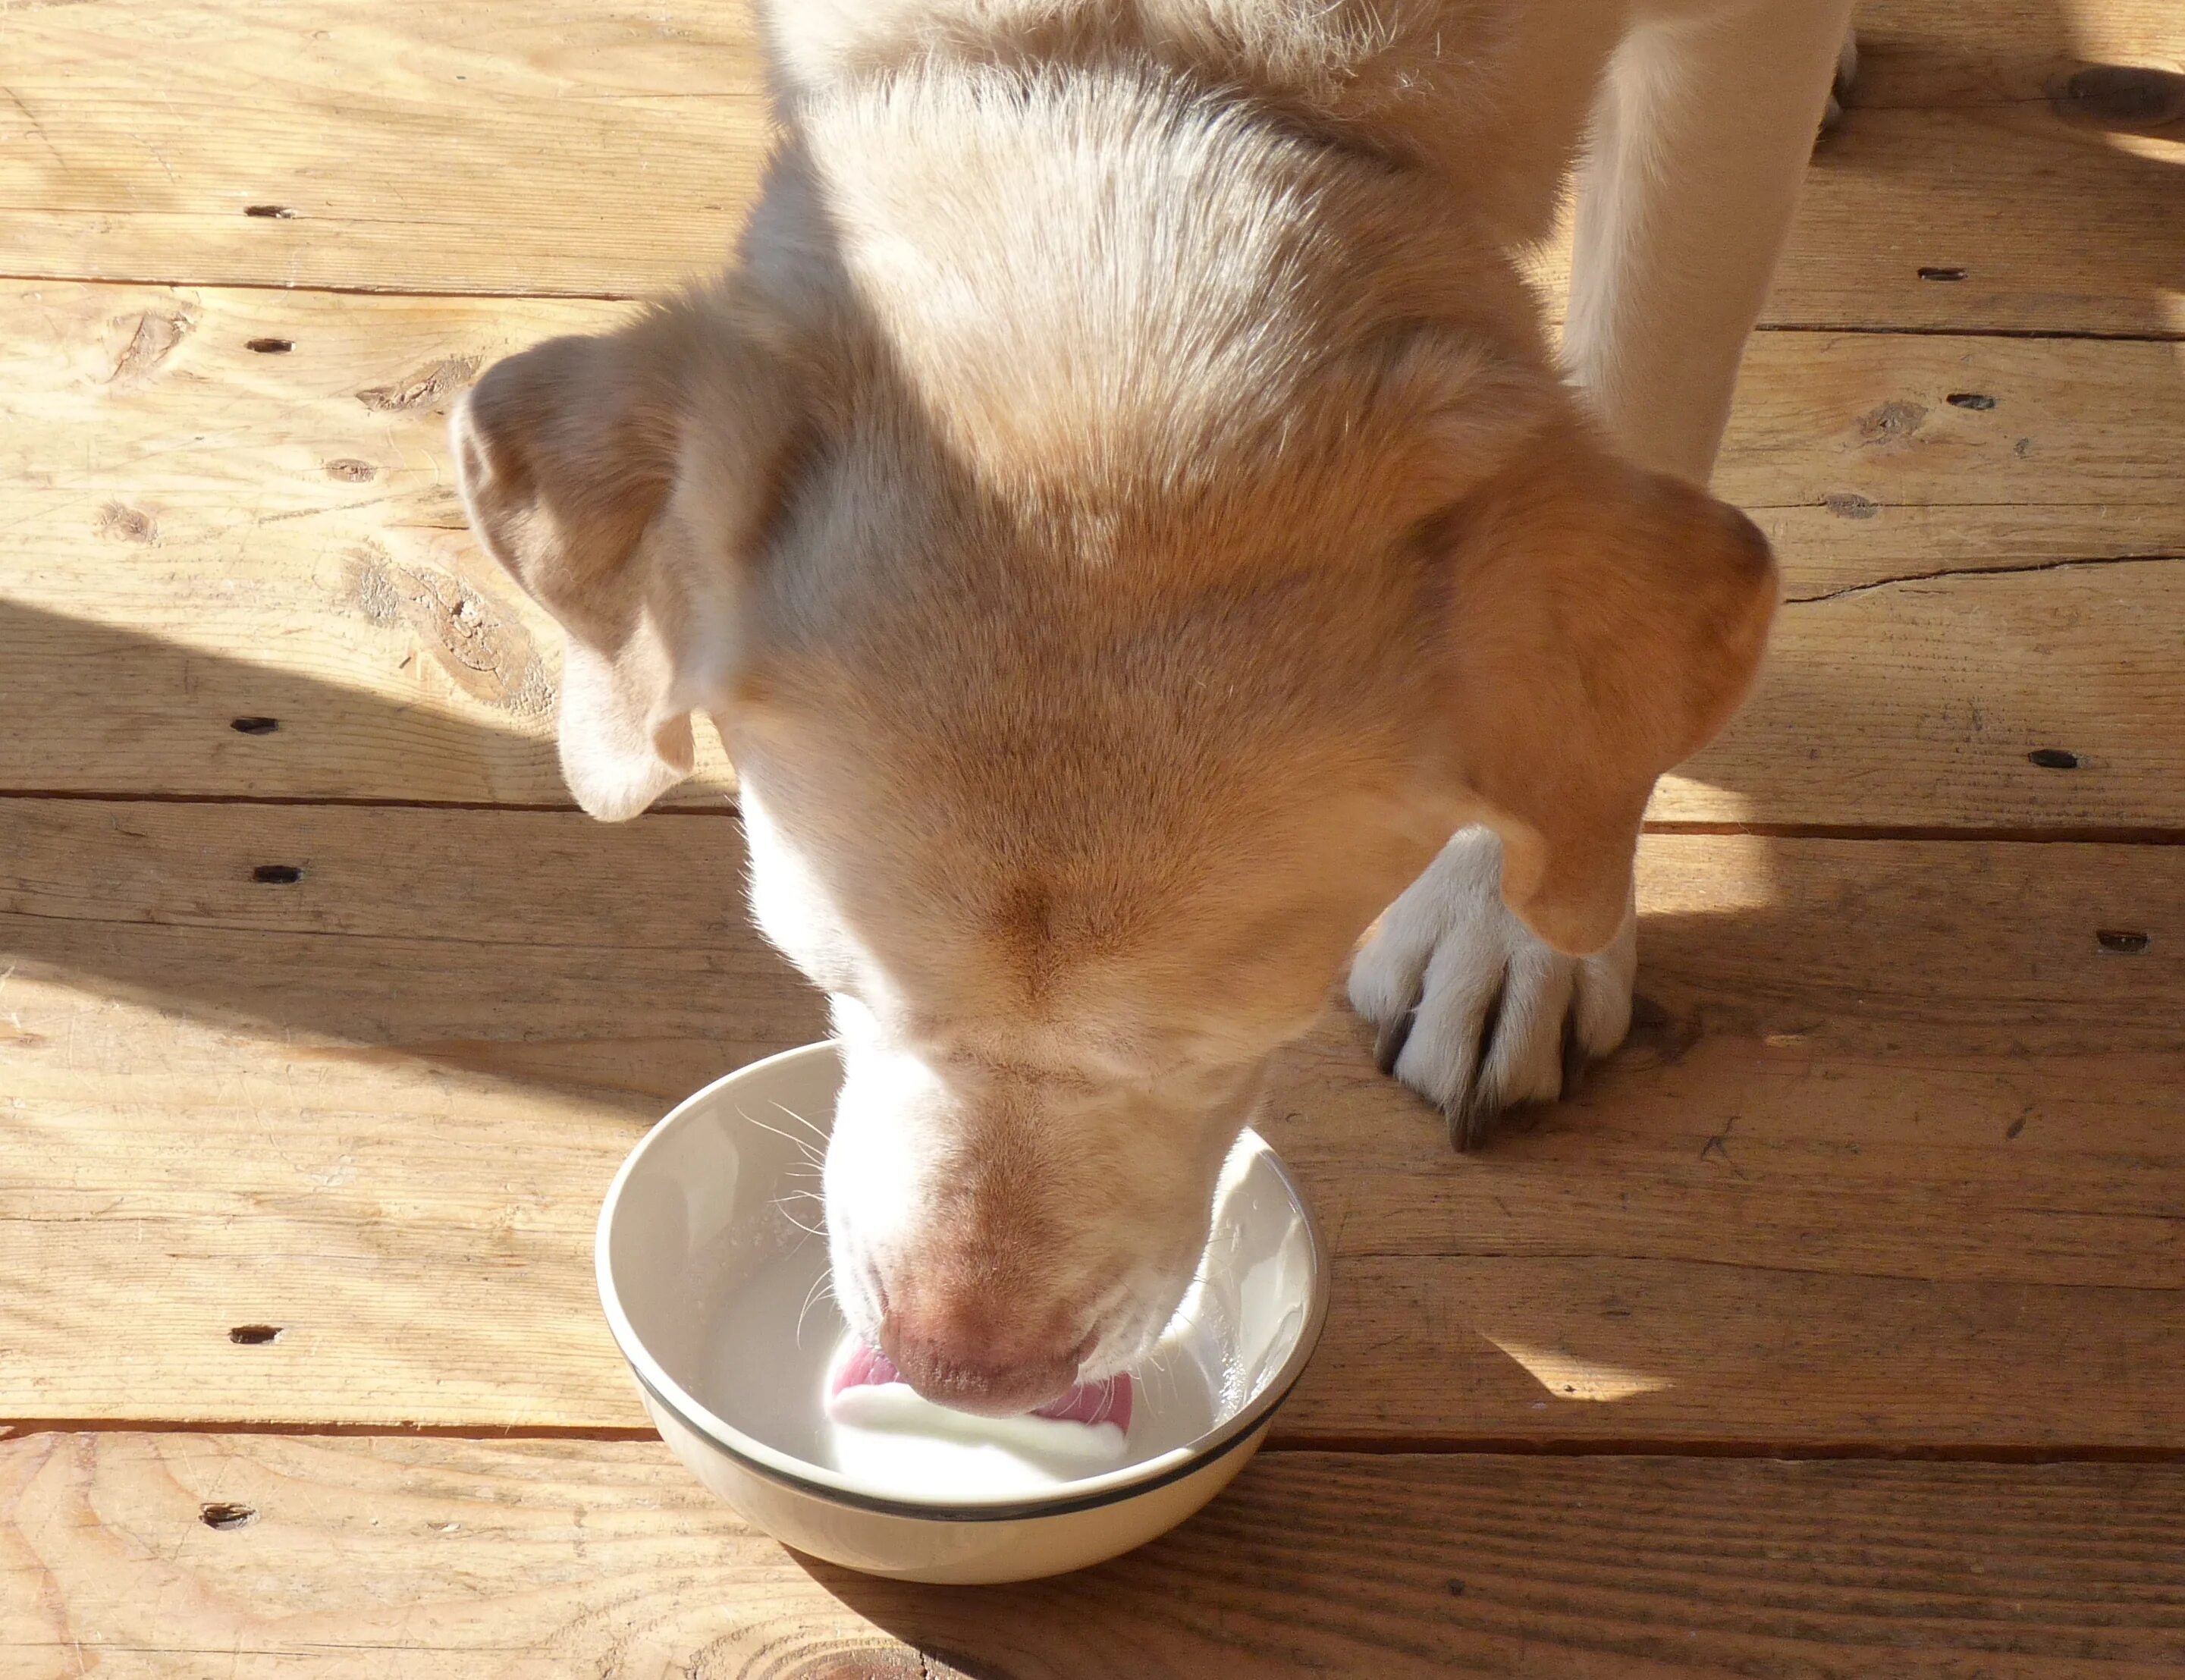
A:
(1084, 1494)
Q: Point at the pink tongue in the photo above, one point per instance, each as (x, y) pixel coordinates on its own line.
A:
(1105, 1402)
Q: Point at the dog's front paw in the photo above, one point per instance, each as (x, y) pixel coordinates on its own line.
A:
(1473, 1011)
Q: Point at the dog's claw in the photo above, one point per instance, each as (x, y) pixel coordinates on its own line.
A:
(1470, 1120)
(1389, 1039)
(1576, 1057)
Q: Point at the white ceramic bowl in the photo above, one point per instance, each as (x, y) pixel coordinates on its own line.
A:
(712, 1285)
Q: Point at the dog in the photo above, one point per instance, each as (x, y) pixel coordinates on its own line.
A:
(1126, 519)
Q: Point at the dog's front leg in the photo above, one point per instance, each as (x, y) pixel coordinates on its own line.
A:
(1706, 118)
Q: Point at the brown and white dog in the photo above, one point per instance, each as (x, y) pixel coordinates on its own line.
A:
(1124, 516)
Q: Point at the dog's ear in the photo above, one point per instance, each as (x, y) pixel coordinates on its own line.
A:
(1604, 623)
(623, 480)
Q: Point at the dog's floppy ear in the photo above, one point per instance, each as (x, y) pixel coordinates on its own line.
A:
(1604, 623)
(622, 479)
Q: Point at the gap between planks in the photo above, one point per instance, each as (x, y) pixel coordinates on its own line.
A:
(2151, 335)
(2095, 835)
(1360, 1446)
(1553, 319)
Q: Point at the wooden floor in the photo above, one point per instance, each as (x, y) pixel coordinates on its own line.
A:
(1837, 1330)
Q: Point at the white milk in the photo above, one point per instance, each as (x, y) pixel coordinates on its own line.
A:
(768, 1340)
(768, 1377)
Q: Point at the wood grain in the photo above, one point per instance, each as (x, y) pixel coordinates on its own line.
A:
(2088, 246)
(380, 144)
(1920, 704)
(613, 154)
(1914, 53)
(201, 531)
(1893, 1162)
(521, 1560)
(205, 531)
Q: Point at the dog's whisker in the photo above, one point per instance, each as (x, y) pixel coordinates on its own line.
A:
(1161, 1365)
(823, 1286)
(810, 1157)
(809, 1231)
(801, 1120)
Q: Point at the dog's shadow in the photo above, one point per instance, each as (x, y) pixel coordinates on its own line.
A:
(525, 946)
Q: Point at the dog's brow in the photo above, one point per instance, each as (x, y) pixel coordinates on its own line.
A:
(1003, 1067)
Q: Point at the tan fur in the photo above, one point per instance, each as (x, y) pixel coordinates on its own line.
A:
(1122, 515)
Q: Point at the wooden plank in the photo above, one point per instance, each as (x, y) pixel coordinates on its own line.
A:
(1870, 455)
(453, 1071)
(201, 531)
(1916, 54)
(613, 154)
(380, 144)
(1895, 1162)
(206, 532)
(1921, 704)
(2089, 243)
(169, 417)
(370, 1558)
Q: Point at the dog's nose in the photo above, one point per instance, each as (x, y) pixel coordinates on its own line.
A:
(975, 1355)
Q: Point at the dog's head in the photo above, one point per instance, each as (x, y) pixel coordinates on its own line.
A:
(1103, 633)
